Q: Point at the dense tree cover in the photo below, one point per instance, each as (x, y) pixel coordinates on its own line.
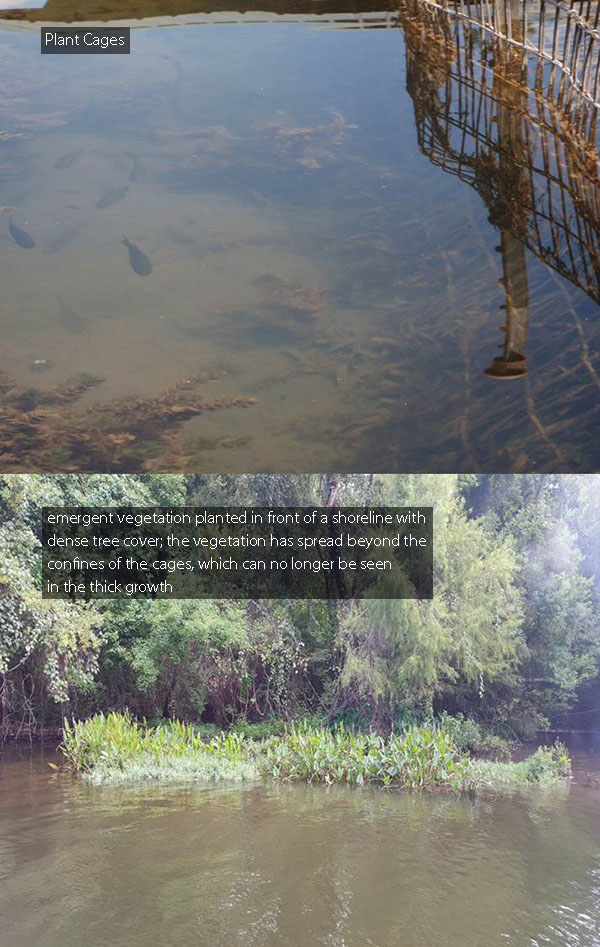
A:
(510, 637)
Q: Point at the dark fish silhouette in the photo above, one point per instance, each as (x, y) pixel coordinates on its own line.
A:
(21, 237)
(65, 161)
(112, 197)
(136, 169)
(138, 261)
(72, 322)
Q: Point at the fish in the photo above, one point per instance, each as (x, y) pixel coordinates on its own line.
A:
(71, 320)
(21, 237)
(137, 168)
(65, 161)
(112, 197)
(138, 261)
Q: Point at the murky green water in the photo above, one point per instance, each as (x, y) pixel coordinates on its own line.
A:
(313, 253)
(293, 865)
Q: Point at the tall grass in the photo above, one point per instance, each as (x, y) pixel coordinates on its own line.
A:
(117, 748)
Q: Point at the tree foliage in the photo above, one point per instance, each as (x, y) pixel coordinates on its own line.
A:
(400, 653)
(510, 637)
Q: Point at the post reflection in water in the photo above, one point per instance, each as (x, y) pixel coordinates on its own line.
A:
(529, 153)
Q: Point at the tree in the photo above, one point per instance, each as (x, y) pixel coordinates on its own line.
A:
(49, 649)
(406, 654)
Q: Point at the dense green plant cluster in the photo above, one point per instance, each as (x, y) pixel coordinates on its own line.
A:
(470, 735)
(117, 748)
(261, 730)
(546, 766)
(420, 757)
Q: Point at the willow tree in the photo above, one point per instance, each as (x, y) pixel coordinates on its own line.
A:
(402, 656)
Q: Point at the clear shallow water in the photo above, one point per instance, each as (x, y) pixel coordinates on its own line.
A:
(308, 250)
(293, 865)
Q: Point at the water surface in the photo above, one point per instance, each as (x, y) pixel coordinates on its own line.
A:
(293, 865)
(333, 253)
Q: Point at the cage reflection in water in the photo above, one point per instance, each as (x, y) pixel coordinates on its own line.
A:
(491, 109)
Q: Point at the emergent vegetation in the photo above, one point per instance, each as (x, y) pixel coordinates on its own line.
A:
(115, 748)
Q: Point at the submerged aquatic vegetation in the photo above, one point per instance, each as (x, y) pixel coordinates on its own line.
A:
(117, 748)
(41, 429)
(310, 146)
(300, 300)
